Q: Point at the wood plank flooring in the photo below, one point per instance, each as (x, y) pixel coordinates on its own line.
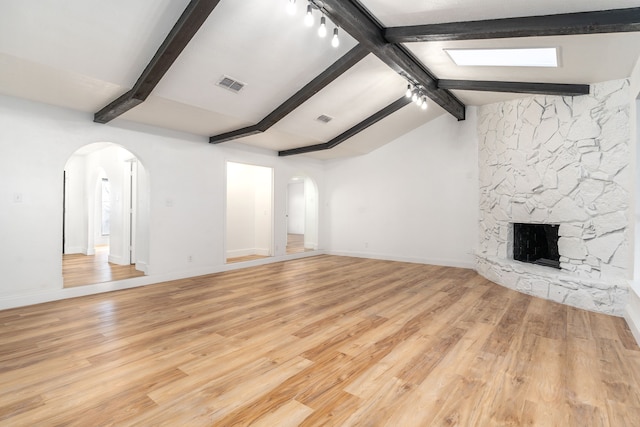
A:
(317, 341)
(245, 258)
(80, 269)
(295, 244)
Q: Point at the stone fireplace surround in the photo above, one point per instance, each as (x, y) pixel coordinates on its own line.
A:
(560, 160)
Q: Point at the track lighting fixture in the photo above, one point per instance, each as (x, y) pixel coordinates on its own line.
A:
(291, 7)
(335, 41)
(416, 94)
(322, 30)
(308, 18)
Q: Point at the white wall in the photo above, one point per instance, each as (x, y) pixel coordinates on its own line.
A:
(249, 210)
(414, 199)
(241, 210)
(186, 198)
(636, 126)
(310, 214)
(75, 209)
(632, 312)
(263, 184)
(295, 208)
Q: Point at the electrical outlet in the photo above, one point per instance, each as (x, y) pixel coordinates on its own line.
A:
(366, 244)
(17, 198)
(190, 258)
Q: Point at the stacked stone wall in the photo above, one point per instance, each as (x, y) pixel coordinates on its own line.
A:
(566, 161)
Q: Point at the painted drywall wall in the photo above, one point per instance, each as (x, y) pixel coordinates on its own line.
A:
(310, 214)
(635, 126)
(249, 210)
(295, 208)
(263, 201)
(240, 210)
(75, 207)
(414, 199)
(186, 176)
(632, 311)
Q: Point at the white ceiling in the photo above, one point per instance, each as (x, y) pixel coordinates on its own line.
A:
(82, 54)
(393, 13)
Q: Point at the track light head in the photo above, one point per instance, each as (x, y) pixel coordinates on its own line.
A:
(291, 7)
(335, 41)
(408, 92)
(322, 30)
(308, 18)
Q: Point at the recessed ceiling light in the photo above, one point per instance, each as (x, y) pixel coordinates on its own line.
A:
(527, 57)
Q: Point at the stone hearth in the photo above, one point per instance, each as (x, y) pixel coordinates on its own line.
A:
(559, 160)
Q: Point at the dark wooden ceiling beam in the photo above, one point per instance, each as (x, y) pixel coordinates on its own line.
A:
(338, 68)
(195, 14)
(603, 21)
(560, 89)
(355, 20)
(369, 121)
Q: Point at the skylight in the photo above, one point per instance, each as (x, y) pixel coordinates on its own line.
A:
(527, 57)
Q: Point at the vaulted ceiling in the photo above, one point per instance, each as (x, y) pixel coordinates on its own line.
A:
(86, 54)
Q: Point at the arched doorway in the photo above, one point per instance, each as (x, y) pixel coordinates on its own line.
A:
(302, 214)
(105, 215)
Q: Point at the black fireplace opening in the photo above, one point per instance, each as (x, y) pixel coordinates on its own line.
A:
(536, 244)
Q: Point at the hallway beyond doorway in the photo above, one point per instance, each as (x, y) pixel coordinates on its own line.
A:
(80, 269)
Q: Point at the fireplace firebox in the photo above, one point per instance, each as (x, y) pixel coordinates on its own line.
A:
(536, 244)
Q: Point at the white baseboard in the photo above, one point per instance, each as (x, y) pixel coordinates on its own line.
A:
(38, 297)
(246, 252)
(117, 259)
(632, 313)
(240, 252)
(416, 260)
(74, 250)
(142, 266)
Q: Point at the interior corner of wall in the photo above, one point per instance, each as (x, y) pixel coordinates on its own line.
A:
(142, 266)
(634, 79)
(632, 314)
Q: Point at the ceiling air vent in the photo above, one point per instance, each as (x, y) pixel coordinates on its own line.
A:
(324, 118)
(231, 84)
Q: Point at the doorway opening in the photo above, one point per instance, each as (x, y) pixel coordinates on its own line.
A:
(249, 221)
(105, 216)
(302, 215)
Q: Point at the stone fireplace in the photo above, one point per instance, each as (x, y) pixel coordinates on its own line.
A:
(561, 161)
(536, 244)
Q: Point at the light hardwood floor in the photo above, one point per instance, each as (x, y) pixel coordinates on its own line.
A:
(245, 258)
(79, 269)
(295, 244)
(317, 341)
